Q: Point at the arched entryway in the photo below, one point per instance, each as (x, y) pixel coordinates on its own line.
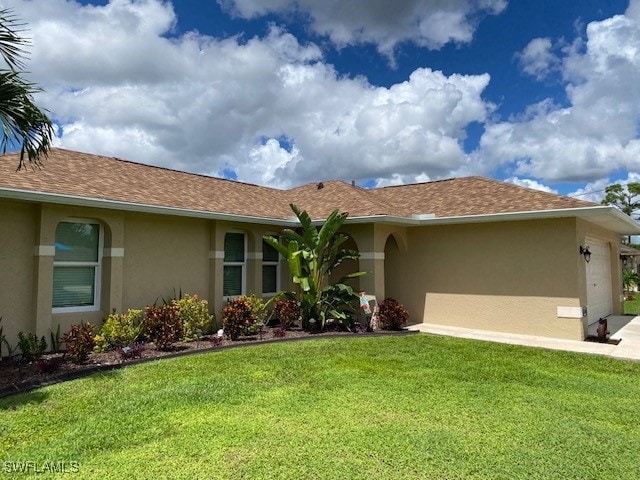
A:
(392, 268)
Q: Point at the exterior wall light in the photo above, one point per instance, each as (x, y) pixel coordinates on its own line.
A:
(585, 251)
(624, 259)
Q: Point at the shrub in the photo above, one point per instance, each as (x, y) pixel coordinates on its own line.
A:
(131, 351)
(392, 315)
(279, 332)
(56, 340)
(287, 311)
(3, 339)
(258, 307)
(195, 316)
(31, 347)
(119, 330)
(80, 342)
(162, 325)
(49, 365)
(238, 318)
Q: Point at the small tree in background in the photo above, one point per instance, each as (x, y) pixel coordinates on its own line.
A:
(626, 198)
(629, 279)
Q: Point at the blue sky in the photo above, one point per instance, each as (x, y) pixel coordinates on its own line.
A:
(542, 94)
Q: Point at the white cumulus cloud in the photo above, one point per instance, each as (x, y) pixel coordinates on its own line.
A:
(530, 183)
(429, 23)
(595, 191)
(119, 82)
(538, 59)
(597, 131)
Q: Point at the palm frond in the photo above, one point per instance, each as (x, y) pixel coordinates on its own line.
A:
(12, 44)
(22, 123)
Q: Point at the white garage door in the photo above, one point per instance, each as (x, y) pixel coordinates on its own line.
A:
(598, 281)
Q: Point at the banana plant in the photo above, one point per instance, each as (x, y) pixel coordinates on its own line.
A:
(313, 254)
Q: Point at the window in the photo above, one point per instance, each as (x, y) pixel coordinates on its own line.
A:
(234, 264)
(76, 266)
(270, 269)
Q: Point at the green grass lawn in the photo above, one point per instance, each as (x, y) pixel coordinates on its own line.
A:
(632, 306)
(413, 407)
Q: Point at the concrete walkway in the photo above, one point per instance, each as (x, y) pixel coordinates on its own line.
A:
(627, 349)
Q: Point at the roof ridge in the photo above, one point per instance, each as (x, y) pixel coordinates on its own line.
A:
(551, 194)
(487, 180)
(423, 183)
(99, 176)
(334, 180)
(352, 196)
(166, 169)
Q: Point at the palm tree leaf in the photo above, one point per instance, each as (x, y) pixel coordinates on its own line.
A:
(12, 44)
(22, 122)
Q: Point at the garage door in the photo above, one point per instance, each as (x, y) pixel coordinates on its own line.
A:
(598, 281)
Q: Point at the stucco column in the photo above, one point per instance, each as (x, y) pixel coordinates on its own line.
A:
(371, 259)
(373, 283)
(43, 289)
(112, 274)
(216, 269)
(254, 263)
(113, 263)
(44, 251)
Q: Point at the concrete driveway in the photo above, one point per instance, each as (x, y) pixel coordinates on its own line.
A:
(624, 328)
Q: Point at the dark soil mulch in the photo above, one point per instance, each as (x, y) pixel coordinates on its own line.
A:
(610, 341)
(19, 376)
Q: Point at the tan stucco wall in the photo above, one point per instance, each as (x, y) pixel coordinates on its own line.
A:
(27, 239)
(17, 236)
(145, 257)
(348, 266)
(507, 276)
(110, 275)
(163, 256)
(167, 253)
(370, 240)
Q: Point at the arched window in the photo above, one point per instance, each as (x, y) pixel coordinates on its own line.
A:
(76, 266)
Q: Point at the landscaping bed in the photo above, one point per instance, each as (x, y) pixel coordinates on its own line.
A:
(20, 376)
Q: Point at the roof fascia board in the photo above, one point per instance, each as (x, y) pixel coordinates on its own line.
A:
(623, 223)
(391, 219)
(623, 217)
(61, 199)
(599, 214)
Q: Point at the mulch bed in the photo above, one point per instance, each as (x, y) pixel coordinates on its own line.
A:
(594, 339)
(18, 376)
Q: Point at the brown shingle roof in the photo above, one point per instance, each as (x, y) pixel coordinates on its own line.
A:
(107, 178)
(335, 194)
(94, 176)
(472, 196)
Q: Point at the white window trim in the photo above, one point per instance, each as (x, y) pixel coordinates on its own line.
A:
(278, 271)
(237, 264)
(97, 270)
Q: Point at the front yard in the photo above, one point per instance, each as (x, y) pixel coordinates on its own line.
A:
(414, 406)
